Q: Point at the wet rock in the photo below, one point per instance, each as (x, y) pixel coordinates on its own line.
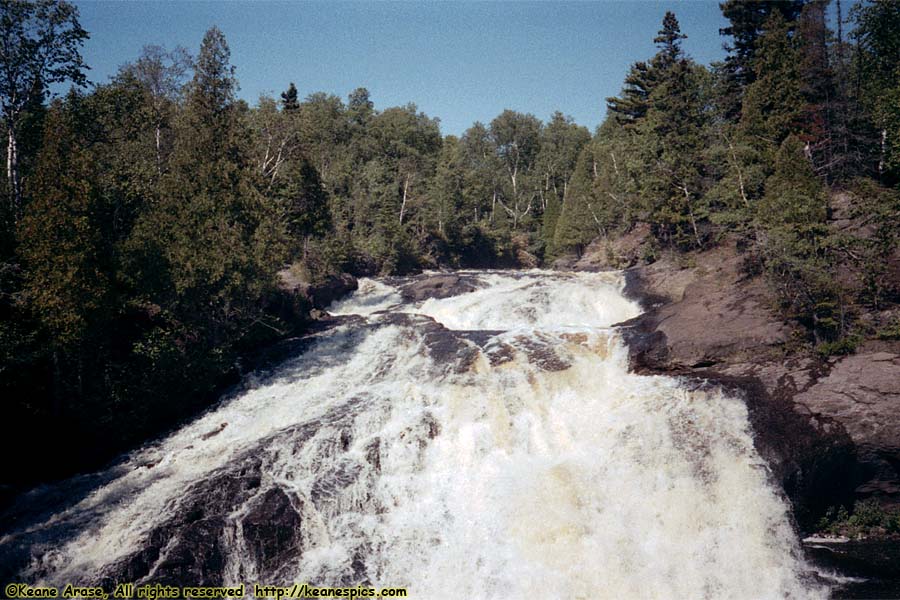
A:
(195, 554)
(437, 286)
(272, 531)
(193, 544)
(451, 351)
(543, 355)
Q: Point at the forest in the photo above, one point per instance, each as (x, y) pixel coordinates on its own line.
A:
(145, 218)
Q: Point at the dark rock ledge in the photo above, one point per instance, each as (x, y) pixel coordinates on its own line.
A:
(828, 428)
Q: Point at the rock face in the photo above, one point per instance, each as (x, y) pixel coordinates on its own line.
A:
(318, 295)
(613, 252)
(862, 392)
(829, 429)
(437, 286)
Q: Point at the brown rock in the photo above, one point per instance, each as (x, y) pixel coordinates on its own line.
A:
(437, 286)
(862, 392)
(829, 430)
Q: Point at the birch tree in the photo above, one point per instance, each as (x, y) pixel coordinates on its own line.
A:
(40, 46)
(516, 137)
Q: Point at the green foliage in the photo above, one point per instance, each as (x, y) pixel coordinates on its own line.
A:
(772, 103)
(878, 54)
(891, 331)
(747, 19)
(795, 198)
(41, 46)
(879, 208)
(161, 207)
(840, 347)
(289, 98)
(798, 249)
(62, 239)
(869, 517)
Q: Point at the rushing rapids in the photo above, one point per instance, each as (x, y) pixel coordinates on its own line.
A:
(484, 445)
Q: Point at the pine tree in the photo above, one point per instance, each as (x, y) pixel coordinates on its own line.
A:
(878, 72)
(61, 236)
(634, 100)
(796, 244)
(64, 245)
(289, 98)
(579, 221)
(773, 102)
(673, 141)
(668, 40)
(445, 195)
(794, 197)
(817, 85)
(747, 20)
(209, 247)
(561, 143)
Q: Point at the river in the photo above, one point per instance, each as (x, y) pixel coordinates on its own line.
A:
(487, 445)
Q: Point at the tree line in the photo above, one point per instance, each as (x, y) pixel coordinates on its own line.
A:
(147, 217)
(752, 147)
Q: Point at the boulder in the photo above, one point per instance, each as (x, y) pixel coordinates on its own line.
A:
(437, 286)
(617, 251)
(318, 295)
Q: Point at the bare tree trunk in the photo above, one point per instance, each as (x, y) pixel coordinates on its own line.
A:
(403, 204)
(737, 167)
(12, 171)
(883, 150)
(687, 199)
(158, 149)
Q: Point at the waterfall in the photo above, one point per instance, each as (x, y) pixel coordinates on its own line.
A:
(486, 445)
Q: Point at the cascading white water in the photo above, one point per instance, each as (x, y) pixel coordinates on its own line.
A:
(524, 461)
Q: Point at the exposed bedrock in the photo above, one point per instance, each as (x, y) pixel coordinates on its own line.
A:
(443, 285)
(830, 429)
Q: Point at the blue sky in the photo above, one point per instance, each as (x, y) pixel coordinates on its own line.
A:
(461, 62)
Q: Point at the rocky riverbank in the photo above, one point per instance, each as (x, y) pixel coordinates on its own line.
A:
(828, 427)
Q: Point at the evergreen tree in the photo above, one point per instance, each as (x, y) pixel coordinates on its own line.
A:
(446, 192)
(561, 143)
(634, 101)
(64, 246)
(773, 102)
(578, 221)
(673, 140)
(289, 98)
(668, 40)
(747, 19)
(209, 247)
(878, 66)
(816, 85)
(796, 245)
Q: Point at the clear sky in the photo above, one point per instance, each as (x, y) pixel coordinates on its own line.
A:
(460, 62)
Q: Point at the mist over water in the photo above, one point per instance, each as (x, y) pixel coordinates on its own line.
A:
(487, 445)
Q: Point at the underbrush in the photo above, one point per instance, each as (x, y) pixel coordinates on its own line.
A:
(868, 518)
